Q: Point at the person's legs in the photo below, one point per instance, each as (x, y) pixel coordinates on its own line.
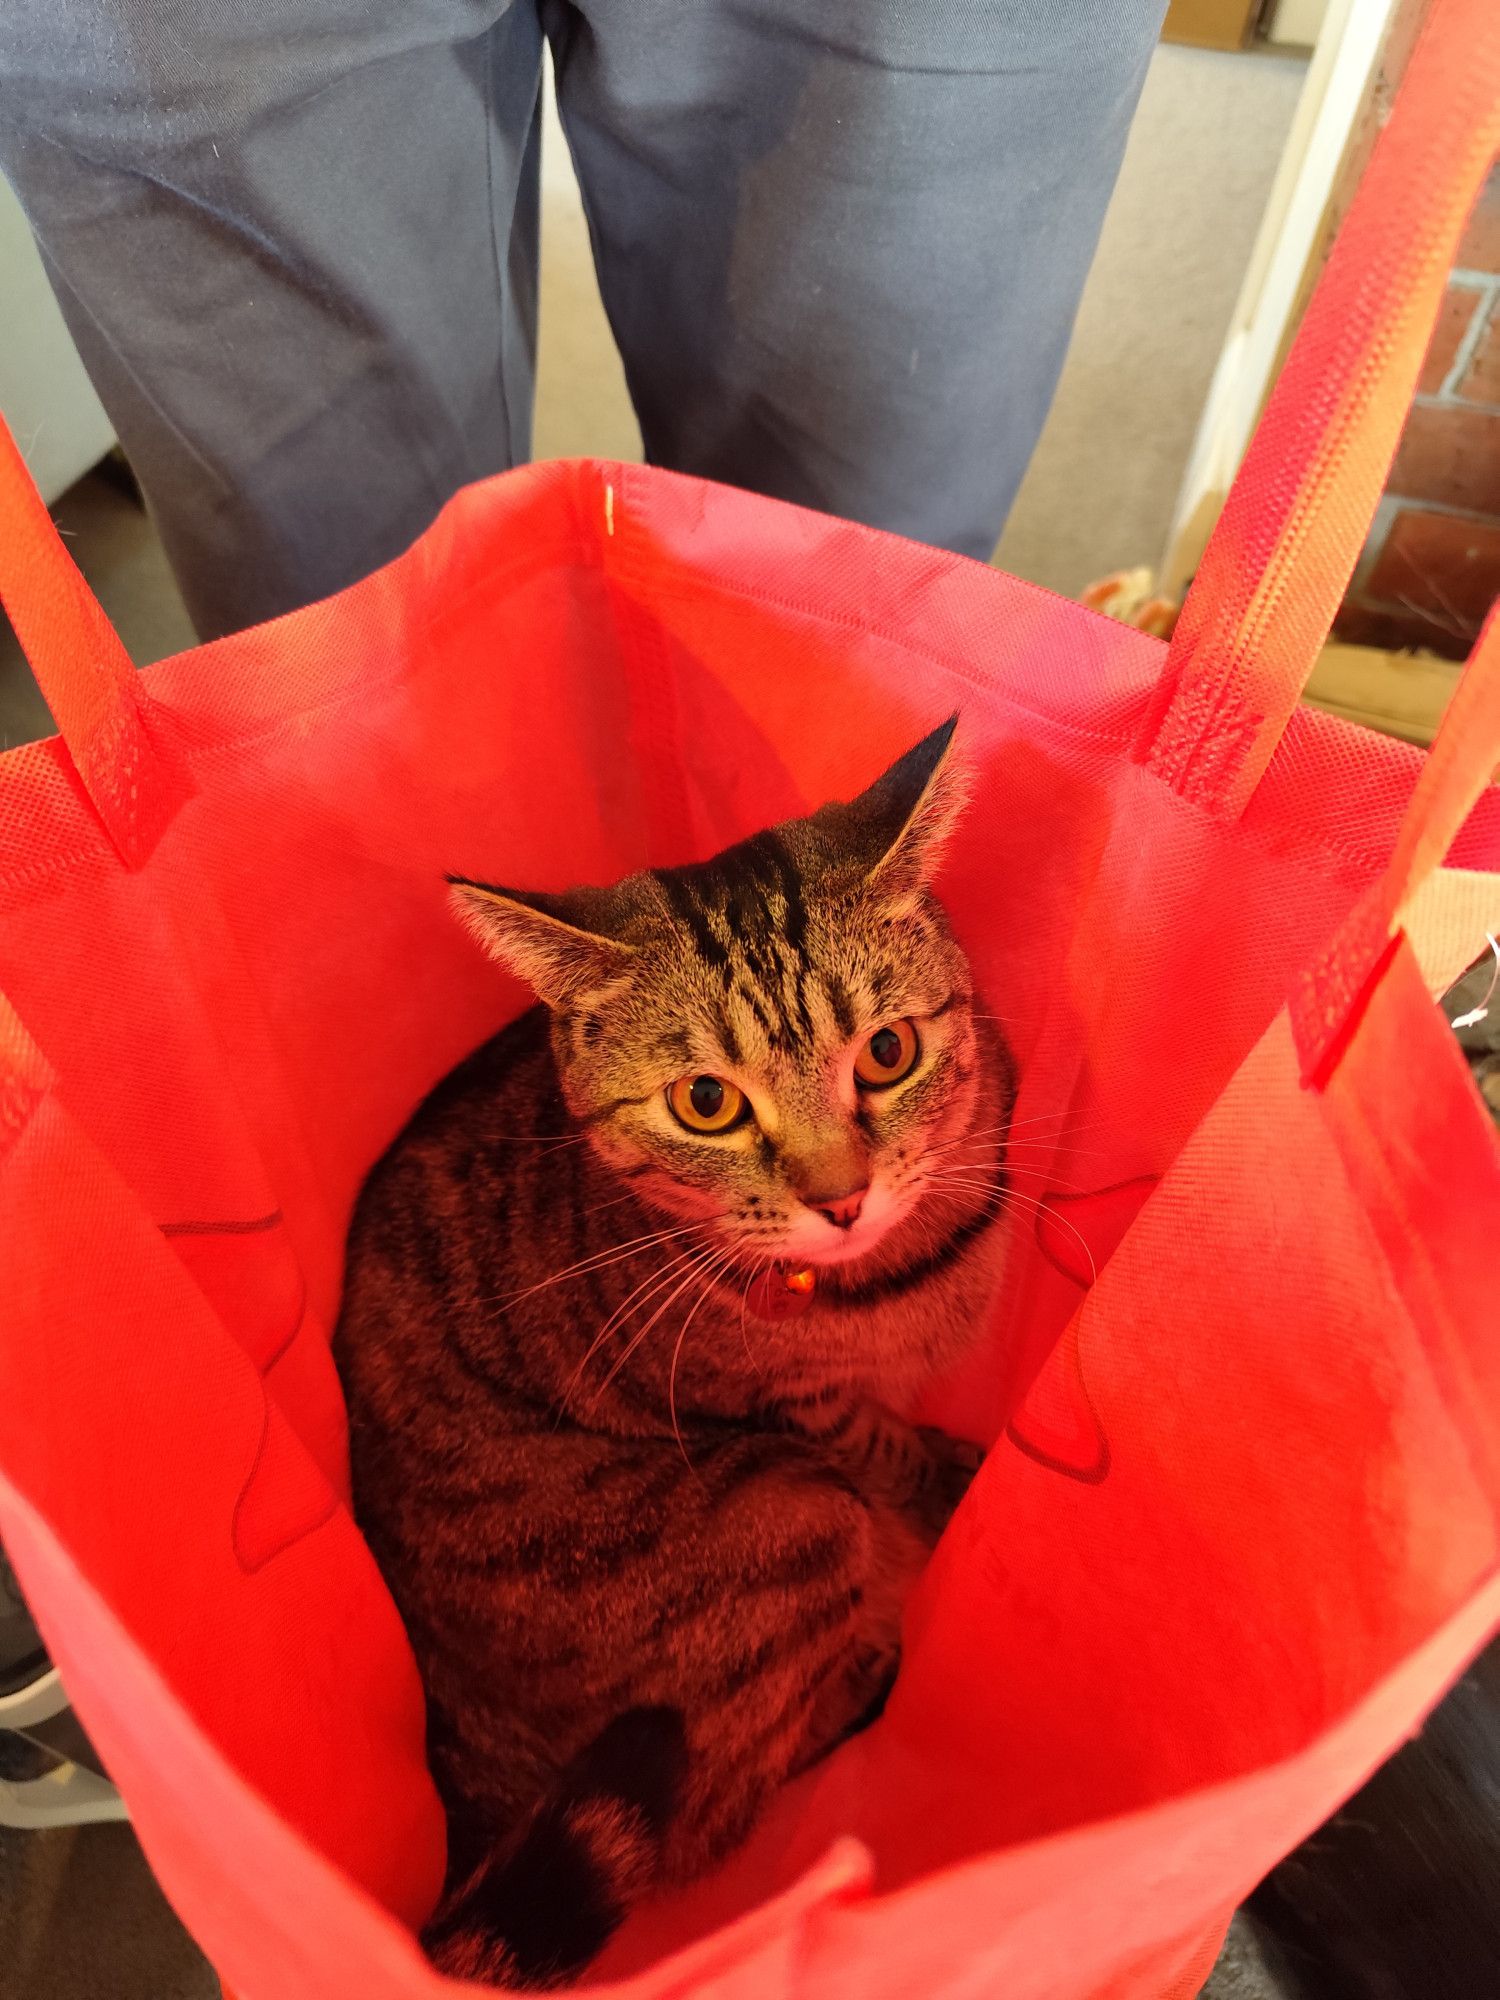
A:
(841, 242)
(296, 245)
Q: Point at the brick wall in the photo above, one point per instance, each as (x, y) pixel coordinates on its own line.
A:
(1431, 568)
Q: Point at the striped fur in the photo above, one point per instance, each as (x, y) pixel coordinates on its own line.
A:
(602, 1483)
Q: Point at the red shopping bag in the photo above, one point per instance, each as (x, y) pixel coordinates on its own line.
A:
(1239, 1526)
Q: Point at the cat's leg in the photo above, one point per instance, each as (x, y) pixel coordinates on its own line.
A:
(922, 1472)
(741, 1580)
(767, 1610)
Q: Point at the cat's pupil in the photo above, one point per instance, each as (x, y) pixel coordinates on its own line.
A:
(707, 1096)
(885, 1048)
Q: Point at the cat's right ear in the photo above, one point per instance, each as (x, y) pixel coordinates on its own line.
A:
(559, 945)
(898, 828)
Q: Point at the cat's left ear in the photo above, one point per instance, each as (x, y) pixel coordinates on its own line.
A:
(560, 945)
(900, 826)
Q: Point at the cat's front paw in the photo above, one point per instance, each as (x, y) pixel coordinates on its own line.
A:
(853, 1700)
(947, 1474)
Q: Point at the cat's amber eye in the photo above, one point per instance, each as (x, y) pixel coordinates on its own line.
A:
(706, 1104)
(889, 1055)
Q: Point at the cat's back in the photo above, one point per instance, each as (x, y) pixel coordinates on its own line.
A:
(471, 1112)
(445, 1213)
(476, 1132)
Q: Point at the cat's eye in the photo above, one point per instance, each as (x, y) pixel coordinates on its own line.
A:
(889, 1055)
(706, 1104)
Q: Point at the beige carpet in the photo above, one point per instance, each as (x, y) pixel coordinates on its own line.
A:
(1176, 241)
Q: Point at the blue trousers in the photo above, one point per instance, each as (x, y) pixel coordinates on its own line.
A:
(840, 242)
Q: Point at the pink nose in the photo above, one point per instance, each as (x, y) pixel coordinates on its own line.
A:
(842, 1210)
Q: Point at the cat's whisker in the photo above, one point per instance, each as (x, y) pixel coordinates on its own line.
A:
(534, 1138)
(701, 1260)
(622, 1359)
(1004, 1169)
(690, 1260)
(756, 1270)
(1051, 1180)
(599, 1207)
(1028, 1204)
(977, 1173)
(980, 1132)
(926, 1224)
(985, 1152)
(1092, 1152)
(1040, 1143)
(621, 1313)
(972, 1176)
(637, 1246)
(695, 1260)
(990, 1151)
(994, 1135)
(948, 1156)
(1007, 1199)
(714, 1272)
(1010, 1128)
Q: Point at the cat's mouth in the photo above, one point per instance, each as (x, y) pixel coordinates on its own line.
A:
(848, 1247)
(810, 1240)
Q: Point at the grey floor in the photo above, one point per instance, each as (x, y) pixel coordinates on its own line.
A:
(81, 1918)
(80, 1915)
(115, 546)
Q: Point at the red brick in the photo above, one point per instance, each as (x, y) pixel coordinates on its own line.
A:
(1453, 323)
(1480, 248)
(1359, 624)
(1440, 564)
(1481, 380)
(1450, 452)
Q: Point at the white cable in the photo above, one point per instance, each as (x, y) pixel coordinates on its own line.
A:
(1477, 1014)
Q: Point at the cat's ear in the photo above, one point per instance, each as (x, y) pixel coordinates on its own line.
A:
(560, 945)
(899, 827)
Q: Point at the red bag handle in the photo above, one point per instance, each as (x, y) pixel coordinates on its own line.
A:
(1327, 1000)
(1280, 558)
(82, 669)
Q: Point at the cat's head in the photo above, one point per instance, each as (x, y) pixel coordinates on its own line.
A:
(777, 1042)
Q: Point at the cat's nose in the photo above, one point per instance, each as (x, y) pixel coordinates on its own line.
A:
(842, 1210)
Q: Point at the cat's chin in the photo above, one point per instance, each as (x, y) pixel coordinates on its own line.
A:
(889, 1232)
(825, 1248)
(858, 1246)
(900, 1230)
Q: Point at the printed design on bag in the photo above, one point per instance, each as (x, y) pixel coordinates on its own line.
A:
(255, 1226)
(1057, 1424)
(257, 1290)
(284, 1496)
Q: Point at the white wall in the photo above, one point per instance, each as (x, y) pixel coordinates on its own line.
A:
(45, 396)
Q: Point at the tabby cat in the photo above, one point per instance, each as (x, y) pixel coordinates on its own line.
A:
(632, 1307)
